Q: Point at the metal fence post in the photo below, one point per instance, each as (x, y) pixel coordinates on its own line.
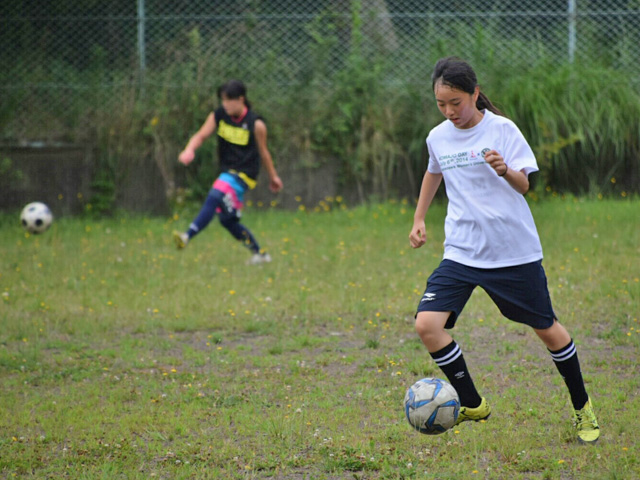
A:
(141, 45)
(572, 30)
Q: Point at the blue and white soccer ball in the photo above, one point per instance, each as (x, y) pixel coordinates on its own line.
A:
(36, 217)
(432, 406)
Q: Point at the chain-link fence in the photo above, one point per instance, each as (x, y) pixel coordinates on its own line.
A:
(79, 47)
(132, 79)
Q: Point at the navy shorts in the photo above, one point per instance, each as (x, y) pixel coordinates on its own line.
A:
(520, 292)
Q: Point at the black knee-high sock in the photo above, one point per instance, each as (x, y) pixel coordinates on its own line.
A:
(566, 360)
(451, 362)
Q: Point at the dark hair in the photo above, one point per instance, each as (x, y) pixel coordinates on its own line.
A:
(456, 73)
(234, 89)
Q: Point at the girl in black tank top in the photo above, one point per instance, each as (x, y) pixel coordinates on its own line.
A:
(242, 148)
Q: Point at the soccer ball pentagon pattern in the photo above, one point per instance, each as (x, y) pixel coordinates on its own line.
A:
(431, 406)
(36, 217)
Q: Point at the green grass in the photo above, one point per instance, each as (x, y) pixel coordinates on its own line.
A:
(121, 357)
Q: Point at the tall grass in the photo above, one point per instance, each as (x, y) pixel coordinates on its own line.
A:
(123, 358)
(584, 123)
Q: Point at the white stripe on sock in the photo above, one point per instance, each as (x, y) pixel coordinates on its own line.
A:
(451, 357)
(564, 355)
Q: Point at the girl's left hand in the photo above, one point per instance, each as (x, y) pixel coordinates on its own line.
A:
(275, 184)
(496, 161)
(186, 156)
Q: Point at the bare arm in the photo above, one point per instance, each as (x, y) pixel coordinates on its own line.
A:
(517, 179)
(275, 184)
(430, 184)
(206, 130)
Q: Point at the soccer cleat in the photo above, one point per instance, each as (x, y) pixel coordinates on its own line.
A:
(481, 412)
(586, 424)
(181, 239)
(259, 258)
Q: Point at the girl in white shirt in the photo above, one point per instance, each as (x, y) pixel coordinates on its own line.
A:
(491, 239)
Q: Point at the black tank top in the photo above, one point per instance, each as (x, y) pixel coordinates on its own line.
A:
(237, 149)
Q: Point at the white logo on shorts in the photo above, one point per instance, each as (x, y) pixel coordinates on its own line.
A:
(428, 297)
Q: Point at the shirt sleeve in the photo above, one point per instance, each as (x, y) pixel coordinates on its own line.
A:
(517, 154)
(433, 165)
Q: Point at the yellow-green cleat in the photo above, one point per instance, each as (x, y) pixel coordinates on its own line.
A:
(586, 424)
(181, 239)
(481, 412)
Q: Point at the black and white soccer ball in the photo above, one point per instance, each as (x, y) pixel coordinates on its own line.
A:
(36, 217)
(432, 406)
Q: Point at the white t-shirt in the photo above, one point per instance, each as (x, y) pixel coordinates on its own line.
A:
(488, 223)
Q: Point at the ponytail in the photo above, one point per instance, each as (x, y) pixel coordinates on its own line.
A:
(483, 102)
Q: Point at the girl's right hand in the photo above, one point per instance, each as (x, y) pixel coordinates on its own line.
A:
(186, 156)
(418, 235)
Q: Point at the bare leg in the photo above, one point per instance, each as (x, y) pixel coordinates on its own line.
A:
(554, 337)
(430, 328)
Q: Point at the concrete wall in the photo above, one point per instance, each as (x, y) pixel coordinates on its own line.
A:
(62, 176)
(59, 176)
